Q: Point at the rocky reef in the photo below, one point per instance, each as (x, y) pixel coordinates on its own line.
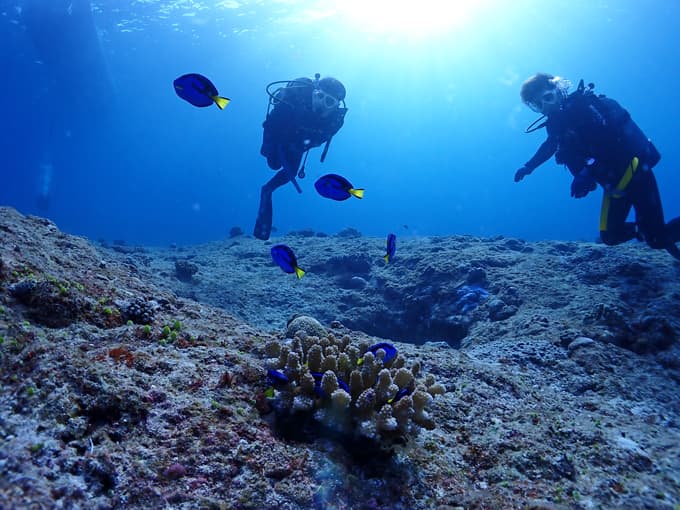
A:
(554, 368)
(456, 290)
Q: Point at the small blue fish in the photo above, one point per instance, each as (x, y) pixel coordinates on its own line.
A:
(199, 91)
(390, 352)
(318, 376)
(286, 260)
(400, 394)
(391, 247)
(336, 187)
(276, 378)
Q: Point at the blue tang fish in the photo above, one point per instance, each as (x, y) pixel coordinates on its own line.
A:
(286, 260)
(199, 91)
(318, 376)
(276, 378)
(391, 247)
(390, 352)
(400, 394)
(336, 187)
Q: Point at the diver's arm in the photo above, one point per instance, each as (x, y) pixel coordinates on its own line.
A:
(278, 130)
(324, 129)
(277, 122)
(336, 123)
(543, 154)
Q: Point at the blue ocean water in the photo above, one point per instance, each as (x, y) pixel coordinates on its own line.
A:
(94, 137)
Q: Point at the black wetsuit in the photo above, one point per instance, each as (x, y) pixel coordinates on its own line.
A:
(595, 134)
(290, 129)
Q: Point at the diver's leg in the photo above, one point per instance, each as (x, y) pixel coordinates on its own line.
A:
(673, 230)
(263, 224)
(290, 159)
(673, 235)
(269, 147)
(648, 210)
(614, 229)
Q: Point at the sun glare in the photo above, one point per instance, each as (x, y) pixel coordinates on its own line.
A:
(415, 18)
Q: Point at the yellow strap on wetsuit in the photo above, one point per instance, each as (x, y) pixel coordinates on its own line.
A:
(627, 176)
(616, 192)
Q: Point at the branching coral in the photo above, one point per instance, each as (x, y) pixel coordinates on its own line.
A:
(356, 389)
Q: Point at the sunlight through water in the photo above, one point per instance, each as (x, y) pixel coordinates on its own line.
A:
(409, 18)
(415, 20)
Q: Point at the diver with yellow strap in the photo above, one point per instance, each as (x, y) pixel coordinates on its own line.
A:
(598, 141)
(617, 192)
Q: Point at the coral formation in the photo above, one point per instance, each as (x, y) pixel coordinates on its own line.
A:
(139, 311)
(185, 270)
(349, 232)
(304, 324)
(235, 232)
(469, 297)
(351, 388)
(49, 302)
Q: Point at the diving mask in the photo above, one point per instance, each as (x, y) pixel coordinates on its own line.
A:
(551, 96)
(323, 102)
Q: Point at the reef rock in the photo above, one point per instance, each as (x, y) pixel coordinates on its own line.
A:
(116, 392)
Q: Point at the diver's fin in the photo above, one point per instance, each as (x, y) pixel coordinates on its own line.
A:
(299, 272)
(387, 258)
(263, 224)
(221, 102)
(262, 229)
(359, 193)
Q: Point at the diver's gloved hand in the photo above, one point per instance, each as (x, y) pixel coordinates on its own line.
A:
(522, 173)
(582, 184)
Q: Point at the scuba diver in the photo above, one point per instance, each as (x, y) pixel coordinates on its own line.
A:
(302, 114)
(595, 137)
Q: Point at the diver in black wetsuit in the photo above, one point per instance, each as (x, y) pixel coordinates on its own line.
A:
(302, 115)
(595, 137)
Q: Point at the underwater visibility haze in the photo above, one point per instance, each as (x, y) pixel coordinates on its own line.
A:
(428, 352)
(95, 138)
